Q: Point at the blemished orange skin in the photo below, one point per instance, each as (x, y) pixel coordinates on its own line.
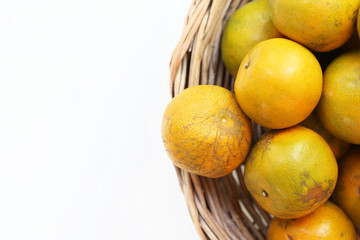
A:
(338, 146)
(279, 83)
(205, 132)
(249, 25)
(291, 172)
(327, 222)
(320, 25)
(338, 108)
(347, 190)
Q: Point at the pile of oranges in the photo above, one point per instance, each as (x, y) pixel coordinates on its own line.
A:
(296, 65)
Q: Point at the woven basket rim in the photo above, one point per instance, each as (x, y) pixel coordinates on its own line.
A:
(220, 208)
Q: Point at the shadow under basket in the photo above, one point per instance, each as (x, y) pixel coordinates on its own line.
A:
(220, 208)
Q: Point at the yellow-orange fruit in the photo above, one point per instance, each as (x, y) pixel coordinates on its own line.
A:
(205, 132)
(320, 25)
(338, 108)
(248, 26)
(291, 172)
(327, 222)
(279, 83)
(347, 190)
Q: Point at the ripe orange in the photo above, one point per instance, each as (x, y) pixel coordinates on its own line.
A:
(205, 132)
(320, 25)
(279, 83)
(326, 222)
(248, 26)
(338, 108)
(338, 146)
(347, 190)
(291, 172)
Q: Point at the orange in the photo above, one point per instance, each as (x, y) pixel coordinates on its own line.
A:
(320, 25)
(291, 172)
(347, 190)
(327, 222)
(338, 146)
(338, 108)
(279, 83)
(248, 26)
(205, 132)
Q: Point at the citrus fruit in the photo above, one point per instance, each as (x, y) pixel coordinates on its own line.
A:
(321, 25)
(338, 146)
(338, 108)
(205, 132)
(248, 26)
(327, 222)
(276, 77)
(347, 190)
(291, 172)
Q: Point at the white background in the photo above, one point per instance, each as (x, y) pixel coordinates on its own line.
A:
(83, 85)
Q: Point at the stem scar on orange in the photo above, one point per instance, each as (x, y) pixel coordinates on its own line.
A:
(205, 132)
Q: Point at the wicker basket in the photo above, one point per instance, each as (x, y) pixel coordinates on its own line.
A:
(220, 208)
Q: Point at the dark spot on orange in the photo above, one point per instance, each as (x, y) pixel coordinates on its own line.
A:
(286, 224)
(289, 237)
(354, 16)
(315, 193)
(359, 190)
(262, 144)
(266, 140)
(306, 174)
(342, 234)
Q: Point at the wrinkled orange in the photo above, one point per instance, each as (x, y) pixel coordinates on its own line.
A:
(291, 172)
(205, 132)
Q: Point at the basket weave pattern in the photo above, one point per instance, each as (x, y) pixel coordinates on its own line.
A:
(220, 208)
